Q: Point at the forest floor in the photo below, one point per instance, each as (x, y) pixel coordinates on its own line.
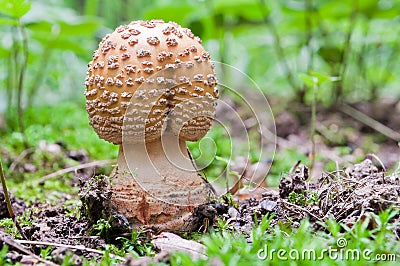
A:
(362, 181)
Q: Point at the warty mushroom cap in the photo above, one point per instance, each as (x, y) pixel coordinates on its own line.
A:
(158, 72)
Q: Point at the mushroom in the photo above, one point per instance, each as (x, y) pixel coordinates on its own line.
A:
(149, 88)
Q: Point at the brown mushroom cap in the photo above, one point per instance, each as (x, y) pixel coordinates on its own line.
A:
(158, 72)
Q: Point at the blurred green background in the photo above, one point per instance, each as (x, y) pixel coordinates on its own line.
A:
(272, 41)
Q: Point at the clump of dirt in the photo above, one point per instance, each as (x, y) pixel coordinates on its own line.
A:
(58, 227)
(345, 196)
(54, 224)
(96, 198)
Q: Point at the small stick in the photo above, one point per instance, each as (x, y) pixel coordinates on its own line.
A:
(5, 191)
(379, 127)
(337, 170)
(75, 168)
(398, 163)
(13, 243)
(19, 158)
(302, 209)
(294, 167)
(383, 166)
(379, 160)
(8, 201)
(80, 247)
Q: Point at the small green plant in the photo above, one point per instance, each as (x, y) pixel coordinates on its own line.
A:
(314, 80)
(228, 199)
(138, 244)
(106, 257)
(312, 198)
(9, 227)
(102, 228)
(3, 254)
(297, 198)
(303, 198)
(72, 208)
(233, 248)
(68, 259)
(223, 225)
(45, 253)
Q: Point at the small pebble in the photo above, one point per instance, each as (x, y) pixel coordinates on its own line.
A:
(268, 205)
(233, 213)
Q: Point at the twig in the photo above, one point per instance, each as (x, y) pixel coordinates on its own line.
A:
(337, 170)
(379, 160)
(5, 191)
(75, 168)
(398, 163)
(13, 243)
(294, 167)
(302, 209)
(383, 166)
(80, 247)
(395, 203)
(363, 118)
(19, 158)
(8, 201)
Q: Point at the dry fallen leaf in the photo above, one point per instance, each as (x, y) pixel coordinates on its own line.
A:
(169, 242)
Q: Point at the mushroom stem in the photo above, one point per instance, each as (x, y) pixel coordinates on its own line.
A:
(156, 182)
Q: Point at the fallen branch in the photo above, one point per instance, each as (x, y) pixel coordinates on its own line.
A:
(8, 240)
(75, 168)
(363, 118)
(79, 247)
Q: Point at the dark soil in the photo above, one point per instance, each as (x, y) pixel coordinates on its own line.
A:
(347, 195)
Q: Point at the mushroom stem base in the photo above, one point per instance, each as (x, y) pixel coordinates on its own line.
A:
(157, 188)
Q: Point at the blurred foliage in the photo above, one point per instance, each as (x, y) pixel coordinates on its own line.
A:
(57, 41)
(49, 123)
(272, 41)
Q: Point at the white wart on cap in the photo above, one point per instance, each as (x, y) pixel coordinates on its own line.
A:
(140, 54)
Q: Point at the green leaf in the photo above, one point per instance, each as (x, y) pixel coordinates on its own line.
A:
(330, 54)
(14, 8)
(245, 9)
(321, 78)
(310, 81)
(170, 13)
(315, 78)
(8, 21)
(78, 29)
